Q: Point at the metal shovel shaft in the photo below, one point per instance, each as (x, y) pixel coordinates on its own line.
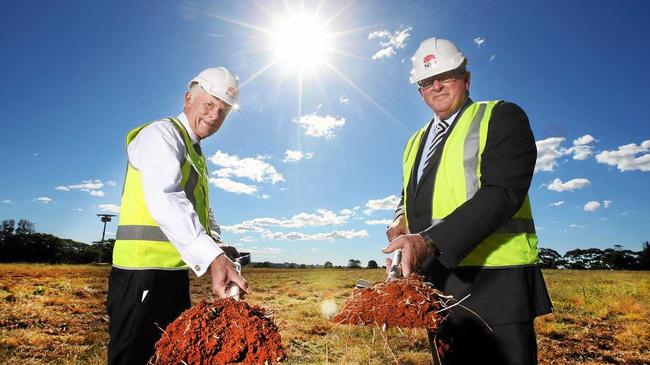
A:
(397, 259)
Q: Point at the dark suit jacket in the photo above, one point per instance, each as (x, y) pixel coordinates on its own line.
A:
(499, 296)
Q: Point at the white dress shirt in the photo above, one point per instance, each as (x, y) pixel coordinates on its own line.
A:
(157, 152)
(430, 137)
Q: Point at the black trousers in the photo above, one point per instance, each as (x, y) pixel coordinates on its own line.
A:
(140, 304)
(508, 344)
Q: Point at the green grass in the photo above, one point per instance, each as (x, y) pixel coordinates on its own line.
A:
(56, 315)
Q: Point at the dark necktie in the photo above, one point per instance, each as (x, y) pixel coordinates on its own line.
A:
(197, 148)
(441, 129)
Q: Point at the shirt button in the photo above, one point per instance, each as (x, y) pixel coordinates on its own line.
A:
(417, 215)
(197, 268)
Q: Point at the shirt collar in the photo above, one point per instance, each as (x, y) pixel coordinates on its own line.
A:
(186, 124)
(452, 118)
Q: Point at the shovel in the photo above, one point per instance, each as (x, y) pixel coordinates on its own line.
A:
(243, 259)
(392, 273)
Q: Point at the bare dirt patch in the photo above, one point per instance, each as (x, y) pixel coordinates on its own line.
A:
(223, 332)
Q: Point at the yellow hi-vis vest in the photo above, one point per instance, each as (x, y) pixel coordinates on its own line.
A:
(140, 243)
(458, 178)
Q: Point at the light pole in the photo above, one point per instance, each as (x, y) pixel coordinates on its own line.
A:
(105, 218)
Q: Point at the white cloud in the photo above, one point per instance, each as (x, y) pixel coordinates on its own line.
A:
(253, 168)
(576, 226)
(584, 140)
(265, 196)
(591, 206)
(384, 53)
(79, 210)
(328, 236)
(111, 183)
(388, 203)
(244, 227)
(344, 99)
(625, 158)
(265, 250)
(557, 203)
(233, 186)
(548, 151)
(581, 149)
(317, 126)
(43, 200)
(322, 217)
(111, 208)
(393, 41)
(384, 222)
(379, 34)
(293, 156)
(90, 186)
(571, 185)
(479, 41)
(7, 201)
(493, 57)
(607, 203)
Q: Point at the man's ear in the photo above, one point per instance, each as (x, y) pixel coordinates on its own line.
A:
(187, 99)
(467, 81)
(420, 91)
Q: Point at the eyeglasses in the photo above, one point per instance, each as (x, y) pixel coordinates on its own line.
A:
(443, 78)
(210, 107)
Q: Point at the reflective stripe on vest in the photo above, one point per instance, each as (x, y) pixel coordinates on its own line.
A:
(457, 179)
(140, 243)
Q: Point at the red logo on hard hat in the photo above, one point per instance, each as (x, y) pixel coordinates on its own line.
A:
(231, 92)
(428, 58)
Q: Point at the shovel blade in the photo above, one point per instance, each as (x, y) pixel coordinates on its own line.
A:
(362, 283)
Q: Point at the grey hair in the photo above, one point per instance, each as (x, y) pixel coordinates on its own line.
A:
(196, 90)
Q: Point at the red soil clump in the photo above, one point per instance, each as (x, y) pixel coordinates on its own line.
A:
(223, 332)
(404, 302)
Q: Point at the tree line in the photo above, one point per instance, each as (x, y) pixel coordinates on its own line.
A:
(19, 242)
(596, 259)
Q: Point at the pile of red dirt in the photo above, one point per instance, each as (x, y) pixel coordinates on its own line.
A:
(406, 302)
(223, 332)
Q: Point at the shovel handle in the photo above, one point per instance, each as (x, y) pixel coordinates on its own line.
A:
(234, 290)
(397, 259)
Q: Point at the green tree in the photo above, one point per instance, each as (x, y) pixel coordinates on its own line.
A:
(7, 228)
(354, 264)
(644, 256)
(328, 265)
(550, 259)
(25, 227)
(372, 264)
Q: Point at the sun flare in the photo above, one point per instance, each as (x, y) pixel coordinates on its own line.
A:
(300, 41)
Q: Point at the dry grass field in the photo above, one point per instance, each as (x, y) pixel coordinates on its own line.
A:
(55, 315)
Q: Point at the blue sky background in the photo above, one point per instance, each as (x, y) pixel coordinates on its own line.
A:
(77, 75)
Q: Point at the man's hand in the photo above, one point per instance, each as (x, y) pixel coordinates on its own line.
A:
(224, 274)
(414, 249)
(397, 228)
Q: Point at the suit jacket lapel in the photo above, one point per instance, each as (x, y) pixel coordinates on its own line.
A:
(414, 172)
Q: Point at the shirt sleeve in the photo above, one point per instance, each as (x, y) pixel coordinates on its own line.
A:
(157, 152)
(508, 162)
(215, 228)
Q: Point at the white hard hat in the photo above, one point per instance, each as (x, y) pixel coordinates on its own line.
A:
(435, 56)
(218, 82)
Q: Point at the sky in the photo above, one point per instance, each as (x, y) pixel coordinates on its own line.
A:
(309, 169)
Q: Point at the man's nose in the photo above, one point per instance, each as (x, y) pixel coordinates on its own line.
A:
(437, 85)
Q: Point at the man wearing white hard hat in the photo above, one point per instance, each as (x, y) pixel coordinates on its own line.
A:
(165, 225)
(465, 220)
